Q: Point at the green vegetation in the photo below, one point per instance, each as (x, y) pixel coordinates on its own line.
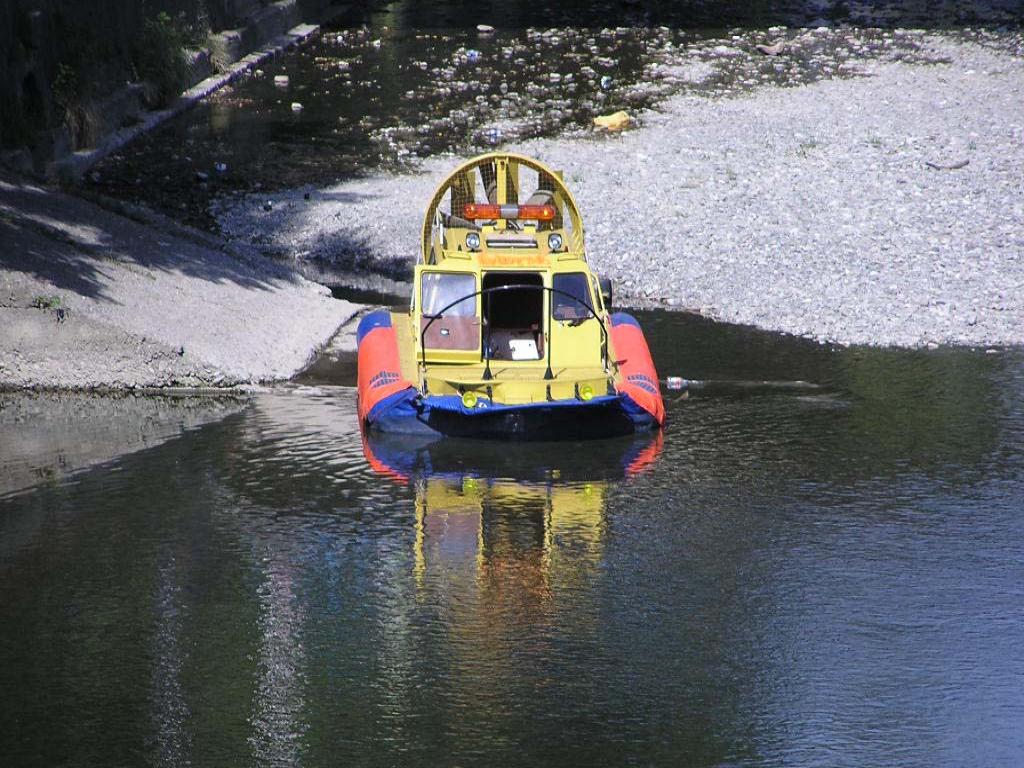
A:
(53, 304)
(58, 68)
(160, 57)
(806, 147)
(48, 302)
(76, 110)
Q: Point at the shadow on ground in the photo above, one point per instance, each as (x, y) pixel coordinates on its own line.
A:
(65, 241)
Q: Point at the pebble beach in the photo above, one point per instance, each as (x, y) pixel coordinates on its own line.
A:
(882, 207)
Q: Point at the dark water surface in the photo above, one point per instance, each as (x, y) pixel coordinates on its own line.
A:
(791, 575)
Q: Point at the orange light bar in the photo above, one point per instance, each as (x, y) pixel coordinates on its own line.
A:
(474, 211)
(488, 211)
(538, 212)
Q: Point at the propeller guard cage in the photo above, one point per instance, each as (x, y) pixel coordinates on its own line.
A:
(497, 178)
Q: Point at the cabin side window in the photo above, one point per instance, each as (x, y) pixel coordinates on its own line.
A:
(571, 298)
(441, 289)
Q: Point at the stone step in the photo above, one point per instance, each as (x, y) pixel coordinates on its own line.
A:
(267, 23)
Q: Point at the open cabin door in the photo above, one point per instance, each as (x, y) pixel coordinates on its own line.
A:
(513, 315)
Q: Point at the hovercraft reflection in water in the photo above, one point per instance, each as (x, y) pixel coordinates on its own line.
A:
(479, 530)
(408, 458)
(509, 333)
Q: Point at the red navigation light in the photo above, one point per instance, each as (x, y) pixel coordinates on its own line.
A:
(489, 211)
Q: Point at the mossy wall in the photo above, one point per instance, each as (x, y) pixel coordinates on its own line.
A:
(59, 59)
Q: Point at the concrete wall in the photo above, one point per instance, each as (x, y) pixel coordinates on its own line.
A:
(64, 63)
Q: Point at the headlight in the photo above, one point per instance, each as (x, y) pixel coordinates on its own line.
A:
(469, 400)
(586, 392)
(472, 241)
(554, 242)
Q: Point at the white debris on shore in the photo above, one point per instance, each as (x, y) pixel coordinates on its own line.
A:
(842, 210)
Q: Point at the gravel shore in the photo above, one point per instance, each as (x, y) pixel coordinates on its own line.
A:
(886, 208)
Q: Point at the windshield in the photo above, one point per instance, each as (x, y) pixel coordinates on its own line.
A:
(571, 298)
(441, 289)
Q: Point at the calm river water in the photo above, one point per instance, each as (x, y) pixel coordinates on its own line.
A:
(826, 569)
(790, 575)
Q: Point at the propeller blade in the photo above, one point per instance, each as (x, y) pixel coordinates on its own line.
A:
(512, 182)
(545, 195)
(463, 192)
(489, 176)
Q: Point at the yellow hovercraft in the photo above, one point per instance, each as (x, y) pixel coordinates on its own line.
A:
(509, 334)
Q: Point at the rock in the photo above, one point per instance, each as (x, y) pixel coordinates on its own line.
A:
(485, 29)
(281, 81)
(296, 106)
(726, 51)
(616, 121)
(770, 50)
(19, 160)
(202, 176)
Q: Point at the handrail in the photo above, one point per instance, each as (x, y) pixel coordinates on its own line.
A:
(496, 288)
